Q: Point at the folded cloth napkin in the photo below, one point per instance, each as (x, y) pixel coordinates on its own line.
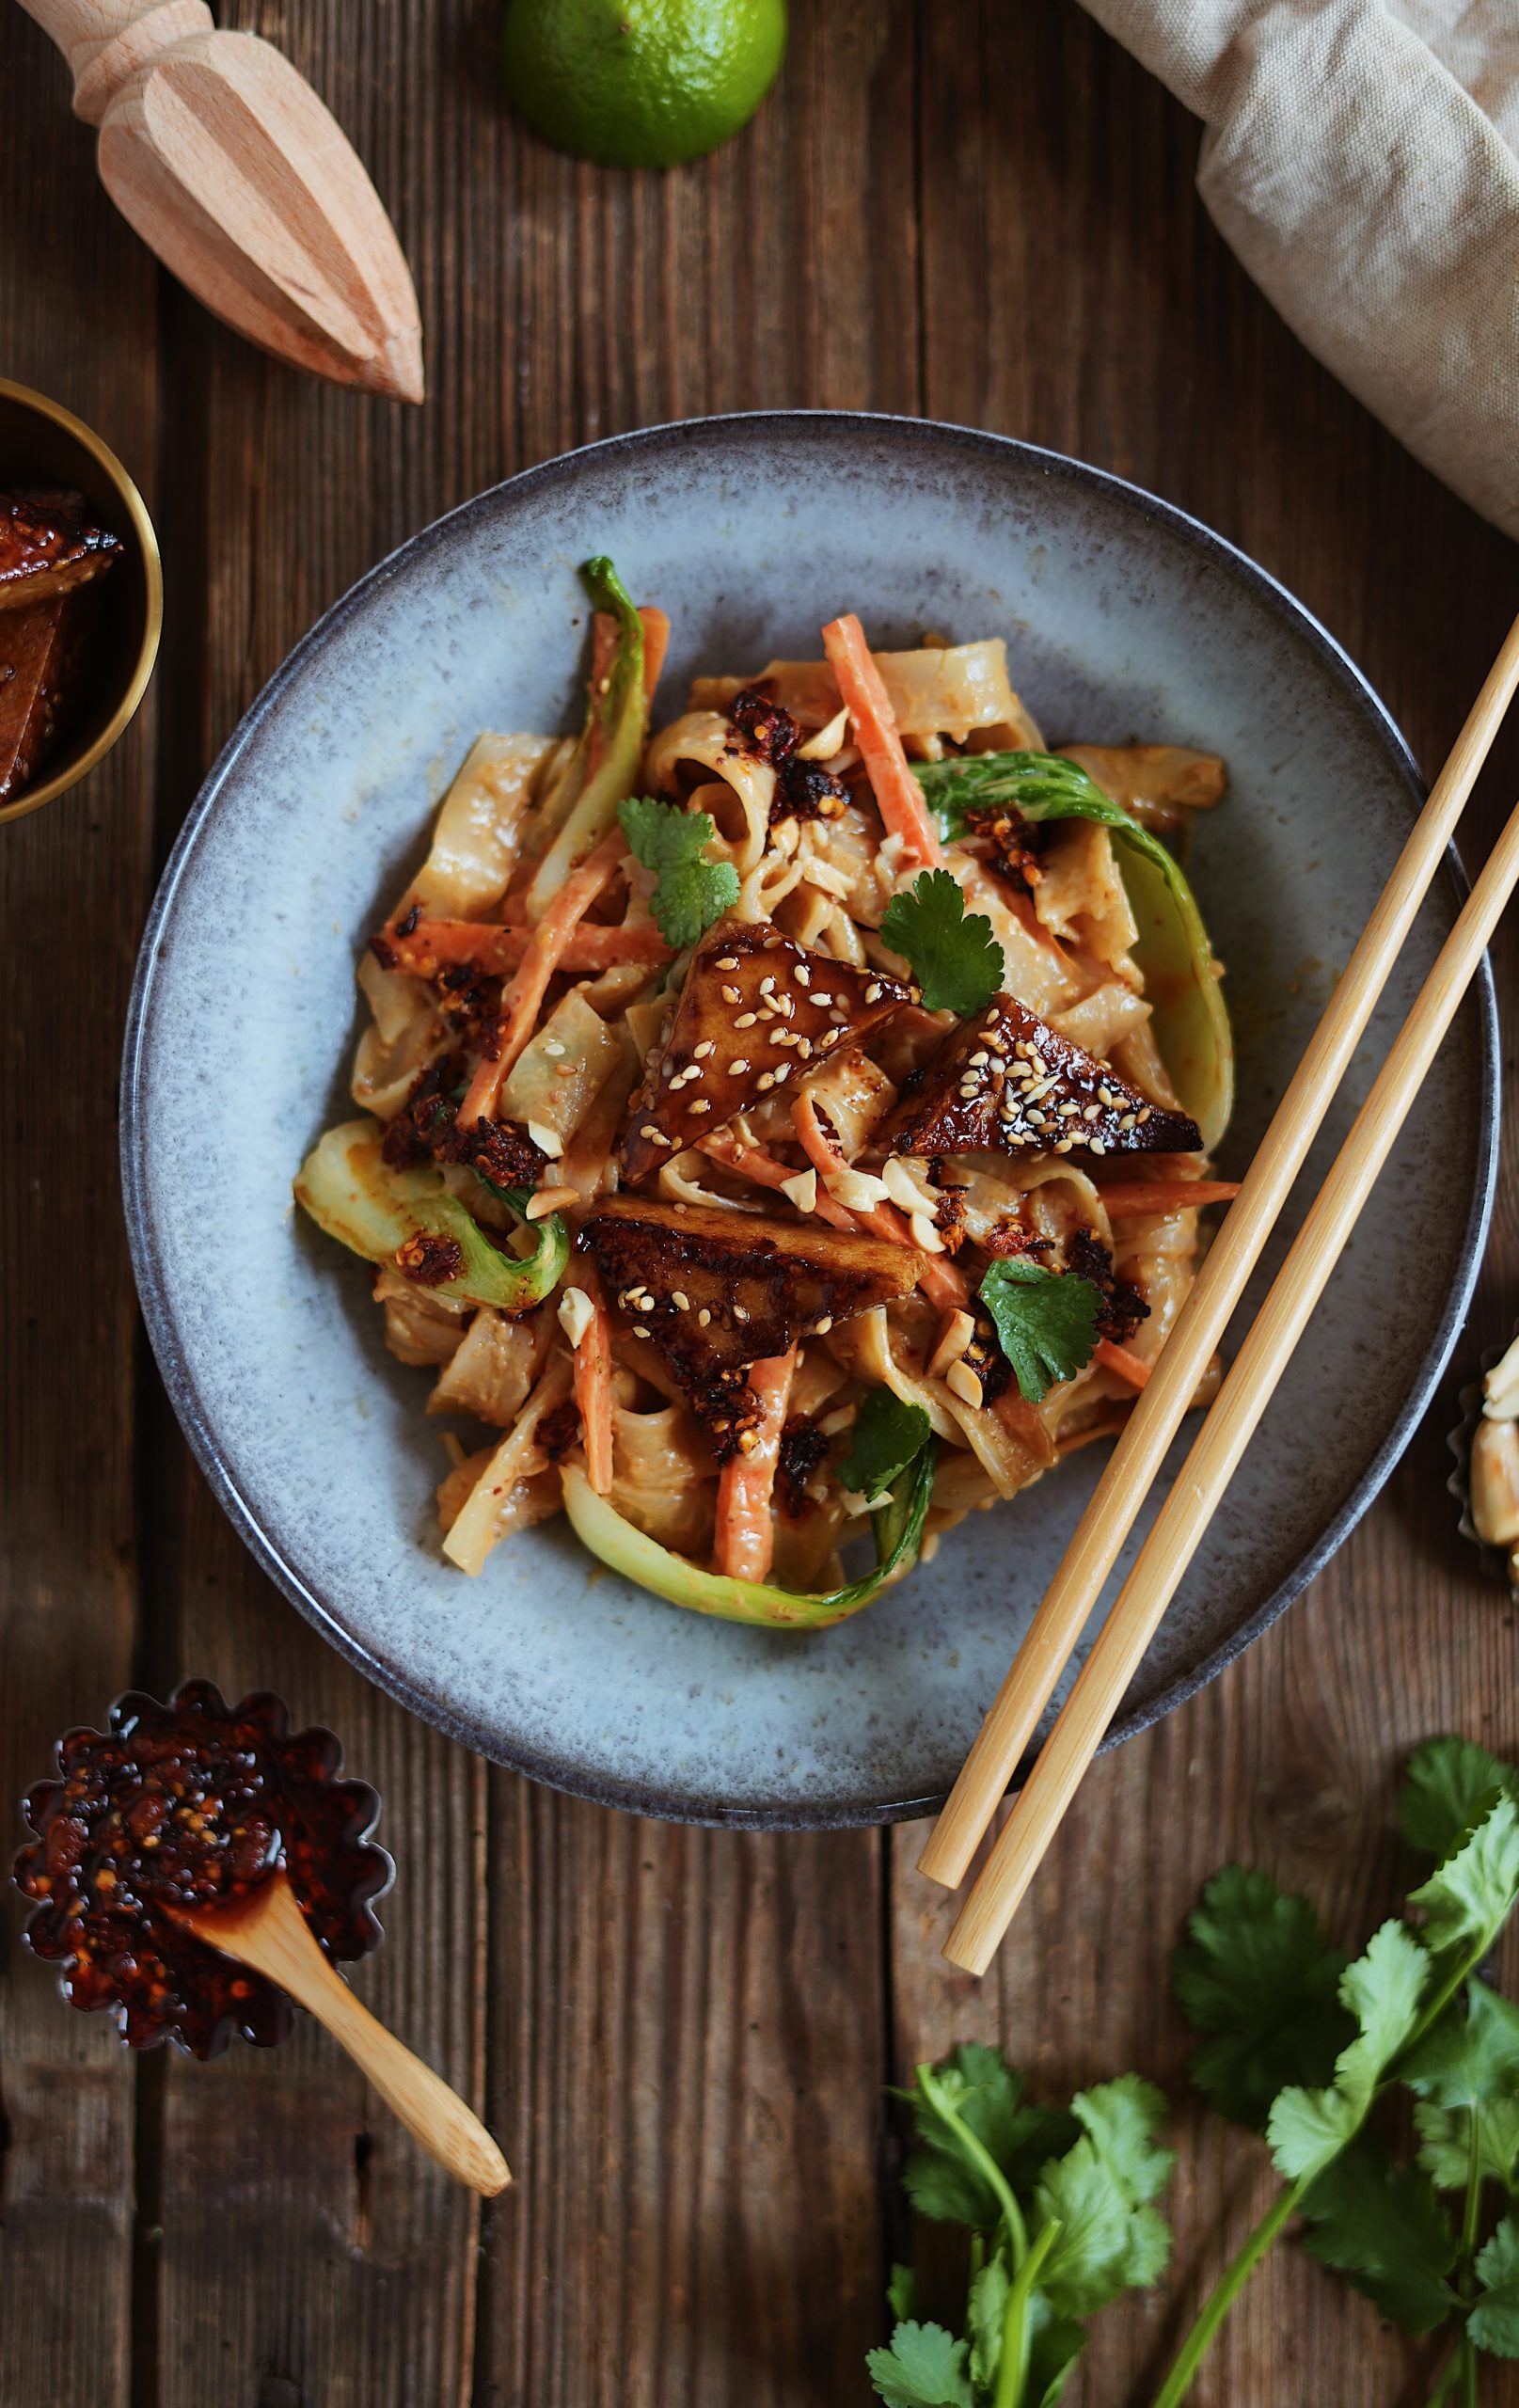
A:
(1361, 158)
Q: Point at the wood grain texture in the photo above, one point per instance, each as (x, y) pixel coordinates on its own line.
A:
(75, 295)
(680, 2037)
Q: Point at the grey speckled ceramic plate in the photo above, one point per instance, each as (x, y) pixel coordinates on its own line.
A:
(1122, 618)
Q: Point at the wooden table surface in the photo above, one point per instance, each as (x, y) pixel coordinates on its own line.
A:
(681, 2036)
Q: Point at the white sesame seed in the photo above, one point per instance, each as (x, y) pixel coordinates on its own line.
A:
(824, 1003)
(804, 974)
(703, 1318)
(746, 1019)
(681, 1301)
(765, 1079)
(821, 1328)
(700, 1103)
(638, 1331)
(873, 992)
(727, 962)
(978, 1061)
(738, 1067)
(1092, 1112)
(1098, 1146)
(731, 995)
(739, 1313)
(704, 1049)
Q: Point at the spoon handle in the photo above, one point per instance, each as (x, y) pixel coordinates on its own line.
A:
(105, 41)
(277, 1941)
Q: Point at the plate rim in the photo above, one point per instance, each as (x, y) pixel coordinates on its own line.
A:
(643, 1798)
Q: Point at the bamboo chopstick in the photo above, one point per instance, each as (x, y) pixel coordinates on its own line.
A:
(1226, 1431)
(1093, 1548)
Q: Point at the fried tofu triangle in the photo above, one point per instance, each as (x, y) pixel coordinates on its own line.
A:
(1005, 1081)
(715, 1290)
(758, 1009)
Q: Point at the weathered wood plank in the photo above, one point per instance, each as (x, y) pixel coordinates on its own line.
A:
(1111, 322)
(76, 303)
(307, 2242)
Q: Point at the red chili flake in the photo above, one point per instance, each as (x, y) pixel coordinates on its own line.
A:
(428, 1261)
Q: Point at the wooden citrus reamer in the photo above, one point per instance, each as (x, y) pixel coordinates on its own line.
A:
(1137, 1460)
(227, 163)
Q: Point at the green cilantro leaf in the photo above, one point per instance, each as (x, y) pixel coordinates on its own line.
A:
(1258, 1975)
(1445, 2138)
(1382, 2226)
(689, 892)
(1494, 2322)
(925, 2367)
(984, 2314)
(886, 1436)
(1307, 2127)
(1100, 2192)
(953, 954)
(1468, 1898)
(902, 2294)
(1058, 2342)
(1046, 1321)
(1466, 2060)
(1451, 1785)
(973, 2103)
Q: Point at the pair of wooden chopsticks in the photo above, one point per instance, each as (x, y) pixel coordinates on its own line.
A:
(1252, 1380)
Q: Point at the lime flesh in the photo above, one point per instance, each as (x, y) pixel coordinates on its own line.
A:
(641, 83)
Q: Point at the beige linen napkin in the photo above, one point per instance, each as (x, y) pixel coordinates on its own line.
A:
(1361, 158)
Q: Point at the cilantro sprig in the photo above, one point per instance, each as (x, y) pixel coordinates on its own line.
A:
(689, 892)
(1058, 2202)
(1045, 1321)
(1306, 2045)
(953, 954)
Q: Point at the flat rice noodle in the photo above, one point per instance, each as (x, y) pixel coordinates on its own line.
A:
(1156, 784)
(856, 1095)
(394, 996)
(478, 831)
(385, 1071)
(949, 691)
(663, 1478)
(1096, 1024)
(492, 1372)
(493, 1508)
(1137, 1058)
(532, 1499)
(703, 741)
(1036, 972)
(420, 1328)
(555, 1079)
(1080, 897)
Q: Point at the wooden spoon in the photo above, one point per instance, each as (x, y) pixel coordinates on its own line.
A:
(266, 1930)
(231, 169)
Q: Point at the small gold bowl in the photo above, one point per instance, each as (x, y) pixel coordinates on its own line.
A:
(42, 443)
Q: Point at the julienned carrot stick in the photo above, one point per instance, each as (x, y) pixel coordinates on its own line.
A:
(752, 1162)
(898, 795)
(655, 645)
(938, 1277)
(1139, 1199)
(522, 999)
(745, 1536)
(495, 945)
(592, 1383)
(1117, 1358)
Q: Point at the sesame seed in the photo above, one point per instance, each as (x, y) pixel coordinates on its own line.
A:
(804, 974)
(731, 995)
(681, 1301)
(1143, 1117)
(1098, 1146)
(1092, 1112)
(821, 1328)
(727, 962)
(824, 1003)
(704, 1049)
(873, 992)
(740, 1065)
(638, 1331)
(766, 985)
(648, 1129)
(746, 1019)
(553, 1045)
(766, 1079)
(739, 1313)
(978, 1060)
(1127, 1120)
(703, 1318)
(700, 1103)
